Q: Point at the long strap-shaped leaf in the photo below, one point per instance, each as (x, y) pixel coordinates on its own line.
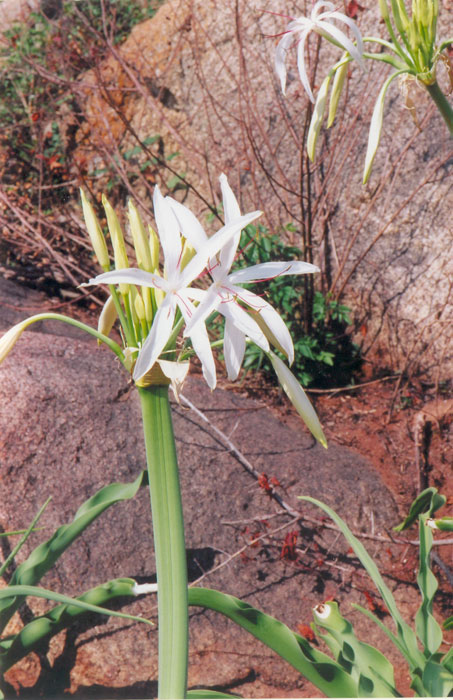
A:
(428, 630)
(317, 667)
(407, 637)
(46, 554)
(44, 627)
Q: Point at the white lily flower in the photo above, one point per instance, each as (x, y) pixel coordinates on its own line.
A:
(175, 285)
(224, 294)
(320, 22)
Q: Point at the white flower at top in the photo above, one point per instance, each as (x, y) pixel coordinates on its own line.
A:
(226, 297)
(175, 281)
(320, 22)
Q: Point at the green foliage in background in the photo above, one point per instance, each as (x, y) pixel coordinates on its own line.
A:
(325, 355)
(38, 58)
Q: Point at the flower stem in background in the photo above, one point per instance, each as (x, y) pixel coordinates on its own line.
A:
(169, 544)
(442, 104)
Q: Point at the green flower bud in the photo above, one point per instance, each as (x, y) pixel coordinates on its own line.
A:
(95, 233)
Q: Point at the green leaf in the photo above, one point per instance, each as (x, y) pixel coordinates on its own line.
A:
(325, 673)
(202, 694)
(41, 629)
(428, 630)
(46, 554)
(448, 624)
(406, 636)
(428, 501)
(437, 680)
(37, 592)
(370, 669)
(23, 539)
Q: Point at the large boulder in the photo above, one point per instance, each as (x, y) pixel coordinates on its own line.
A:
(70, 423)
(200, 75)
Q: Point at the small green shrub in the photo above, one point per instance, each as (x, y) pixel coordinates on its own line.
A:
(325, 355)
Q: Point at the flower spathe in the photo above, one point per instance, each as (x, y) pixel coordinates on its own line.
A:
(226, 297)
(320, 22)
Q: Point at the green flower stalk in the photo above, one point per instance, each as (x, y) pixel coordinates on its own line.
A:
(412, 50)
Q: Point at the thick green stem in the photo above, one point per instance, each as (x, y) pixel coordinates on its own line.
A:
(442, 105)
(169, 544)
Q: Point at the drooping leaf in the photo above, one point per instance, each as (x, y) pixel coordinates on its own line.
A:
(325, 673)
(46, 554)
(428, 501)
(207, 694)
(406, 636)
(41, 629)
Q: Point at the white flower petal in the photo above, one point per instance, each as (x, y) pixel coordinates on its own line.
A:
(266, 271)
(280, 58)
(301, 64)
(209, 303)
(200, 341)
(157, 338)
(298, 398)
(169, 234)
(329, 30)
(129, 275)
(189, 225)
(233, 349)
(278, 332)
(354, 29)
(244, 323)
(232, 211)
(196, 266)
(230, 203)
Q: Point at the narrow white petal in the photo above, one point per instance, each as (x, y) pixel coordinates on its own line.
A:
(301, 64)
(232, 211)
(195, 293)
(230, 204)
(244, 323)
(233, 349)
(158, 337)
(318, 7)
(329, 30)
(168, 229)
(201, 343)
(209, 303)
(266, 271)
(196, 266)
(130, 275)
(189, 225)
(354, 29)
(280, 58)
(279, 334)
(298, 398)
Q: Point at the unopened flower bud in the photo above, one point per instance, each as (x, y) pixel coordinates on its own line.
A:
(141, 244)
(107, 317)
(95, 233)
(10, 338)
